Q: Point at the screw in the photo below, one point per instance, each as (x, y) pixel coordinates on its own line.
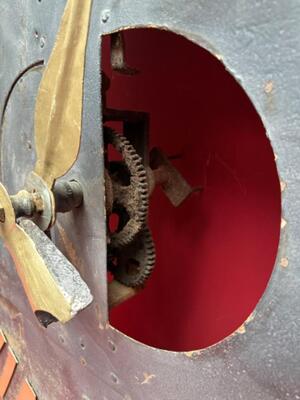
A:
(105, 16)
(42, 42)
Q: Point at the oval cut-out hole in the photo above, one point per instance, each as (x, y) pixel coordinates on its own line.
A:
(216, 251)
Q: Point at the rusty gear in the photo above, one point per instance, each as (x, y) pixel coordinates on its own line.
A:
(132, 265)
(130, 189)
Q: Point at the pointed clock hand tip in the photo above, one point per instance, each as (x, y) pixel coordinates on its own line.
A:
(58, 117)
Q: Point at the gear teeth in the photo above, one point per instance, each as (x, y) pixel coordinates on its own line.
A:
(146, 259)
(137, 170)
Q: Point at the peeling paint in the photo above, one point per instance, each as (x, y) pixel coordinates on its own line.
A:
(284, 262)
(283, 223)
(147, 378)
(242, 329)
(268, 87)
(192, 354)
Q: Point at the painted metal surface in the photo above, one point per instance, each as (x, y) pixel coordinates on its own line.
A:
(87, 359)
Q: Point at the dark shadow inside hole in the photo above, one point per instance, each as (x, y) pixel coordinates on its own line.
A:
(45, 318)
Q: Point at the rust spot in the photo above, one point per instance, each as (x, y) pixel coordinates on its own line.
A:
(269, 86)
(147, 378)
(192, 354)
(242, 329)
(284, 262)
(83, 361)
(269, 92)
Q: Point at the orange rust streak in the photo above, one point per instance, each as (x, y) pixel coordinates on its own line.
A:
(7, 373)
(26, 392)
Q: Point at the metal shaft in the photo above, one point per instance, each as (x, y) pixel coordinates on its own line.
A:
(67, 194)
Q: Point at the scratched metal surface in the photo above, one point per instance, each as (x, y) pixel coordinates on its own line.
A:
(259, 42)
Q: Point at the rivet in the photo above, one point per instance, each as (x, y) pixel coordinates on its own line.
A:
(105, 16)
(112, 345)
(114, 378)
(42, 42)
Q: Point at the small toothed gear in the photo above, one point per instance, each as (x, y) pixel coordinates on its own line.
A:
(133, 264)
(129, 187)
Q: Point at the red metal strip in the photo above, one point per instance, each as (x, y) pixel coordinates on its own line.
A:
(26, 392)
(7, 372)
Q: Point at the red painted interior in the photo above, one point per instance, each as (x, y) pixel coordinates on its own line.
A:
(215, 253)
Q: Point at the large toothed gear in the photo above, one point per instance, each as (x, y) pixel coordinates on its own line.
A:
(132, 265)
(129, 190)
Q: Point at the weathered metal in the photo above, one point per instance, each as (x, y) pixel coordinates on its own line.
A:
(163, 173)
(118, 55)
(259, 44)
(129, 187)
(133, 264)
(67, 195)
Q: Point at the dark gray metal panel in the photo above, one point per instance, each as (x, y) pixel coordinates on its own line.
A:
(259, 43)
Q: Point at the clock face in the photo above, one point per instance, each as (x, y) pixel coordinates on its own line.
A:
(76, 179)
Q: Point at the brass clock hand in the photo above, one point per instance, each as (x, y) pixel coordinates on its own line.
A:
(58, 113)
(53, 286)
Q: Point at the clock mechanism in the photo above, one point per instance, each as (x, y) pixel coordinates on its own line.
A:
(132, 172)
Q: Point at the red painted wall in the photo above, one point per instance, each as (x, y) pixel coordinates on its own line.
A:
(215, 253)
